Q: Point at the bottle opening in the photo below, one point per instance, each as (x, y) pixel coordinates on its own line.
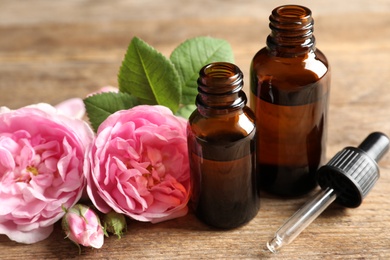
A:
(293, 11)
(220, 77)
(220, 70)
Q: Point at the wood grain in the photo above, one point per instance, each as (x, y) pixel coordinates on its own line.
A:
(53, 50)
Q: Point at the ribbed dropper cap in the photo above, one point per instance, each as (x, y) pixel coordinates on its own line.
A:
(353, 172)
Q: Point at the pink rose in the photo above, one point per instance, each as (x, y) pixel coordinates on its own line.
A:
(139, 164)
(82, 226)
(41, 169)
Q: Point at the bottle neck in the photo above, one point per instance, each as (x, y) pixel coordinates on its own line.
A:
(220, 89)
(291, 31)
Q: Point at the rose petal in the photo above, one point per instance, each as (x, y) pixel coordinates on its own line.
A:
(73, 107)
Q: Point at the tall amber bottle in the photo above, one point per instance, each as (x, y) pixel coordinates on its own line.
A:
(222, 141)
(290, 83)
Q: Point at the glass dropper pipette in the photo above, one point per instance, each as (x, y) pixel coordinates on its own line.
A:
(346, 178)
(301, 219)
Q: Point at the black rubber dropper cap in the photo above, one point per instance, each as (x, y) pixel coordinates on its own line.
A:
(353, 172)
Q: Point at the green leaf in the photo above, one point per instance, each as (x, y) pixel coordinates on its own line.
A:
(186, 111)
(100, 106)
(148, 75)
(190, 56)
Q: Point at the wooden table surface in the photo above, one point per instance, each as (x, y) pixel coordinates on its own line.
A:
(54, 50)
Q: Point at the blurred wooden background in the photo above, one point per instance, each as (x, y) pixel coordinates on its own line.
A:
(54, 50)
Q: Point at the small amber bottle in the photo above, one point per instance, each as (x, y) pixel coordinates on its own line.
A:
(221, 142)
(290, 83)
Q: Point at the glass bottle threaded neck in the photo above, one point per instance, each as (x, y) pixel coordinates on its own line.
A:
(291, 31)
(220, 89)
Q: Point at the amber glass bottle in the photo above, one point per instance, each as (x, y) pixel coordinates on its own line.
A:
(221, 142)
(290, 81)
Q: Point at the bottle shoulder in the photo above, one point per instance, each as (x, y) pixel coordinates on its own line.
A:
(304, 69)
(239, 124)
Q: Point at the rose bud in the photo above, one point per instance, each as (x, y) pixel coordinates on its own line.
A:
(82, 226)
(114, 223)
